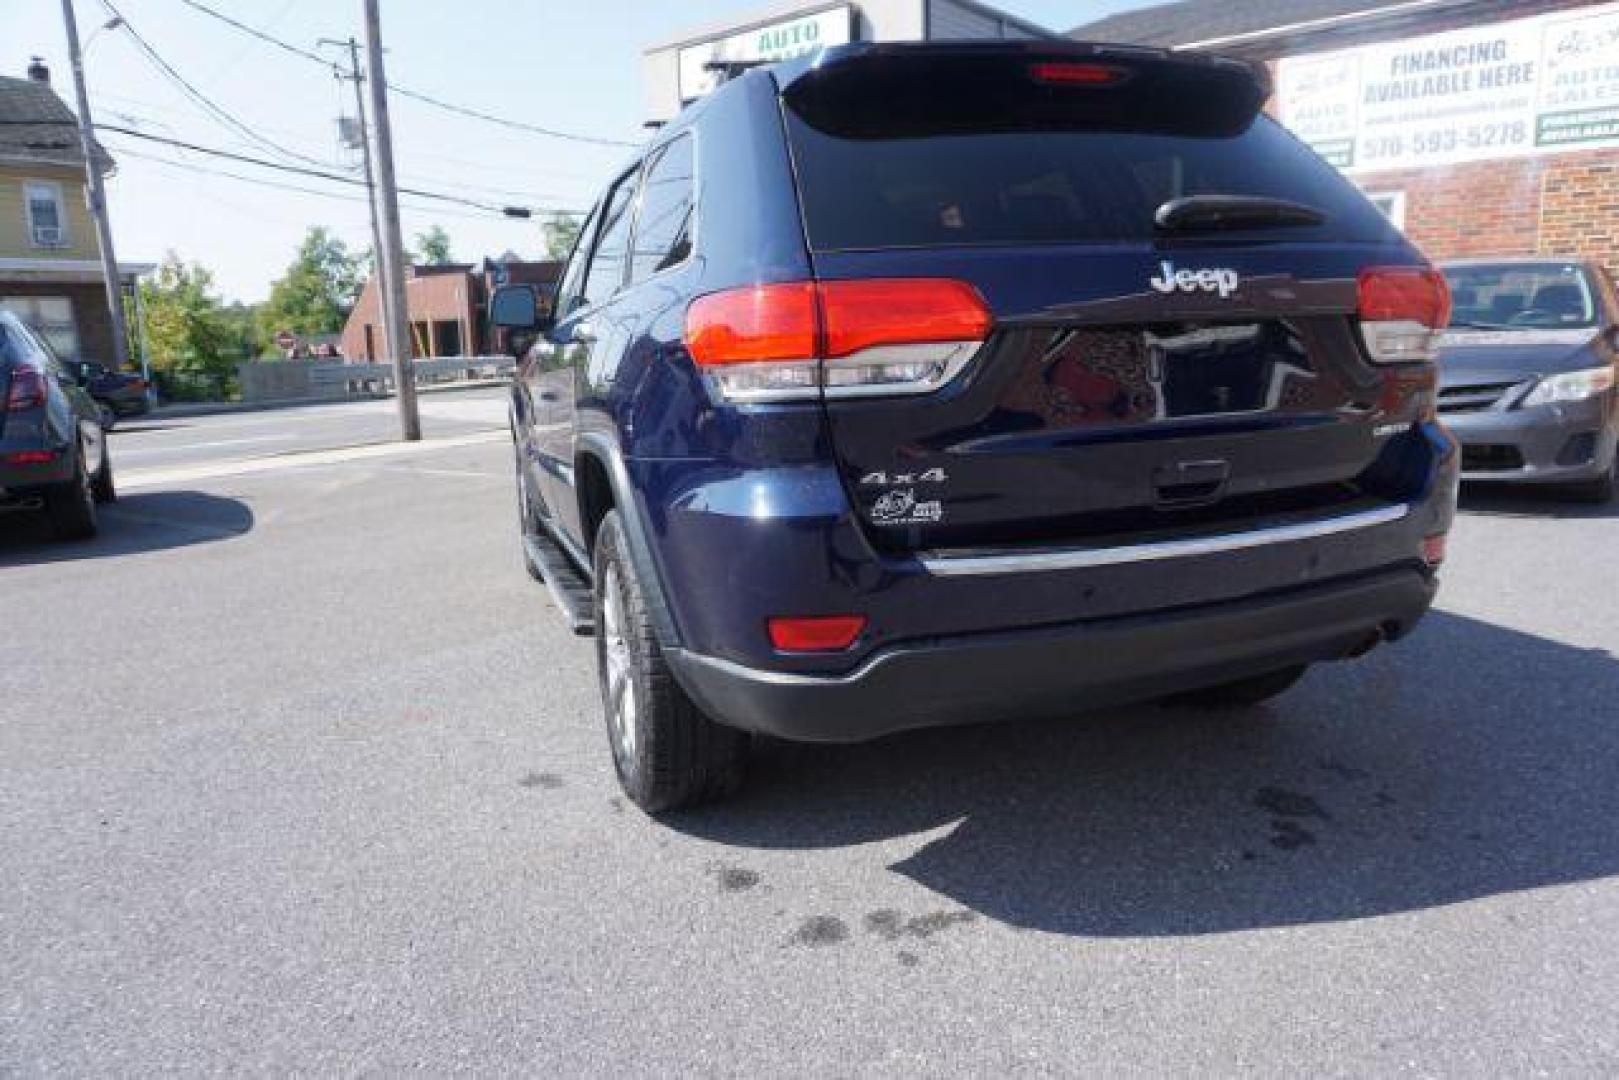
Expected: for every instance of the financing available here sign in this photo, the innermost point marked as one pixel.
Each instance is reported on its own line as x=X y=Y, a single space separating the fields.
x=773 y=41
x=1530 y=86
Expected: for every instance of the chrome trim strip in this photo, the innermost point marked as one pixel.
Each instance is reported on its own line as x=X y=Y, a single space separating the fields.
x=1168 y=549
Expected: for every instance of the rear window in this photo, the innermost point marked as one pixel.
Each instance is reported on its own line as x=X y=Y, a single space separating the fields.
x=1055 y=187
x=1519 y=295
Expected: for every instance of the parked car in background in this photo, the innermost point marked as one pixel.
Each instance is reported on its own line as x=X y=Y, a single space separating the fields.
x=1527 y=372
x=118 y=394
x=53 y=449
x=908 y=385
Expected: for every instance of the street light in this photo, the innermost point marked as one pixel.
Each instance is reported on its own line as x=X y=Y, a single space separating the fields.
x=111 y=24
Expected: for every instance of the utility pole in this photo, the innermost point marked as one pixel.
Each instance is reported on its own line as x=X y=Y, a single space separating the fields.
x=98 y=195
x=363 y=143
x=391 y=254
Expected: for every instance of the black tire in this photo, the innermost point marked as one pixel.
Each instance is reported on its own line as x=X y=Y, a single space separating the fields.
x=672 y=756
x=1242 y=693
x=526 y=525
x=1597 y=491
x=109 y=417
x=102 y=486
x=71 y=507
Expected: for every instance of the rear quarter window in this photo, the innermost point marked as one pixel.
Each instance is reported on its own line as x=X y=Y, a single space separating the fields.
x=1054 y=187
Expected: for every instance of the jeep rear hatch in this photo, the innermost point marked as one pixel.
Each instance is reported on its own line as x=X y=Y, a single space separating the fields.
x=1168 y=284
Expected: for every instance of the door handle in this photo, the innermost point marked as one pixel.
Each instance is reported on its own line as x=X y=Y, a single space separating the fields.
x=584 y=332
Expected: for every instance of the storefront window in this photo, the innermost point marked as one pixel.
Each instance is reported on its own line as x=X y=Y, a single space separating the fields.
x=51 y=317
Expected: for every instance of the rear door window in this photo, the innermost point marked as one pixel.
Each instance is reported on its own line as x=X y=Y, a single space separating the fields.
x=663 y=229
x=606 y=274
x=1054 y=187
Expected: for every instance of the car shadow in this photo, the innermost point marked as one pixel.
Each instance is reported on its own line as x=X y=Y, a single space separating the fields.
x=1468 y=761
x=135 y=524
x=1525 y=500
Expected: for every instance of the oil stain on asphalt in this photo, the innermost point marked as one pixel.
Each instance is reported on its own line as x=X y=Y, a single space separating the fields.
x=733 y=879
x=549 y=781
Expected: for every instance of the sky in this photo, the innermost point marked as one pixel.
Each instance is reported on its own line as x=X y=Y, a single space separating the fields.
x=570 y=65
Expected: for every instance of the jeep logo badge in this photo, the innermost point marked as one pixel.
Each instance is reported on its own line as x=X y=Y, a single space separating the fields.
x=1172 y=280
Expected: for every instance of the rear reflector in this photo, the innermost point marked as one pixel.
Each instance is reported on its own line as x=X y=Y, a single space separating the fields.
x=793 y=340
x=1403 y=312
x=27 y=389
x=819 y=633
x=30 y=457
x=1061 y=74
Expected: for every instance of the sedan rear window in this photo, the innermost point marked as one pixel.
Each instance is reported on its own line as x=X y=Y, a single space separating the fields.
x=1501 y=296
x=1056 y=187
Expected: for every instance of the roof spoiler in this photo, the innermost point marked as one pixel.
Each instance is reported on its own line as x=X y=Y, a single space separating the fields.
x=916 y=90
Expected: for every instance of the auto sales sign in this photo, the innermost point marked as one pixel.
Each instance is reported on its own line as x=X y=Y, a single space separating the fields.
x=1531 y=86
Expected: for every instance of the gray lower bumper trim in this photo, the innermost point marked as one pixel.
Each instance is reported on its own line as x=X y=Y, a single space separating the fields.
x=1080 y=558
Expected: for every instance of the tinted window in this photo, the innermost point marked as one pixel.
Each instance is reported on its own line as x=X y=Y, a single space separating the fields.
x=1052 y=187
x=1521 y=295
x=607 y=264
x=663 y=228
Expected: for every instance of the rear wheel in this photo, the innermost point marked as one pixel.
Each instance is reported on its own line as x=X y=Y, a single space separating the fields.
x=667 y=753
x=71 y=507
x=1242 y=692
x=108 y=417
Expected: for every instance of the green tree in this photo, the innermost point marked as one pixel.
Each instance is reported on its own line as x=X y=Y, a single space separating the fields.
x=186 y=327
x=561 y=231
x=316 y=293
x=433 y=247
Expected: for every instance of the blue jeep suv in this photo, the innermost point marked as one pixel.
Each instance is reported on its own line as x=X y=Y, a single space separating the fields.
x=905 y=385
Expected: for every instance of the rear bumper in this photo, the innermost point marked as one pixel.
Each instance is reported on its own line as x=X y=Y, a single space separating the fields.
x=1058 y=669
x=1547 y=444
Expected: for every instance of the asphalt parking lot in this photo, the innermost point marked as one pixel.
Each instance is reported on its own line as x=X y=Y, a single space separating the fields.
x=299 y=772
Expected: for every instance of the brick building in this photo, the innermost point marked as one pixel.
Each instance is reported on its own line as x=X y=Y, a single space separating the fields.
x=447 y=307
x=1483 y=127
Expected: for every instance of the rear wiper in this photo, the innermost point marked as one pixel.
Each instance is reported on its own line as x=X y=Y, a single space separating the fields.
x=1468 y=324
x=1210 y=213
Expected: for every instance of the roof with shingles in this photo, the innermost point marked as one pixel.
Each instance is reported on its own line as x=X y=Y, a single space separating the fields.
x=37 y=125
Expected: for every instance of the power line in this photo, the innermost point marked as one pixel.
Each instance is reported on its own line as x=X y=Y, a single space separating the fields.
x=319 y=174
x=193 y=167
x=203 y=100
x=416 y=95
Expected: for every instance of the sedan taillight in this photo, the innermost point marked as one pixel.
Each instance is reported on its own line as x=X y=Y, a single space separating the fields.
x=27 y=390
x=796 y=340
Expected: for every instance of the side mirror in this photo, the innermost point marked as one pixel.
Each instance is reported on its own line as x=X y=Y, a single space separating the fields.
x=521 y=313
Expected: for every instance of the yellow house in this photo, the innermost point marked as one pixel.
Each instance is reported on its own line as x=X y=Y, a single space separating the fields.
x=50 y=265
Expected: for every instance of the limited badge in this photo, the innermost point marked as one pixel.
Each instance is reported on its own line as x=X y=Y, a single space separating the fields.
x=901 y=507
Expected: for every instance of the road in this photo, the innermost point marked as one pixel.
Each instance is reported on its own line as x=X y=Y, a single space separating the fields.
x=299 y=772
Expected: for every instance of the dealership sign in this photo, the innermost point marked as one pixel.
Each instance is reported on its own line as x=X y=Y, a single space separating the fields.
x=772 y=41
x=1531 y=86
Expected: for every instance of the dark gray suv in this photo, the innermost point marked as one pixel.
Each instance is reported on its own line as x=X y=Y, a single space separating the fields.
x=53 y=452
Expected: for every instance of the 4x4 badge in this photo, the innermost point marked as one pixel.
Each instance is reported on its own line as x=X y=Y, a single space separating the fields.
x=886 y=479
x=1222 y=281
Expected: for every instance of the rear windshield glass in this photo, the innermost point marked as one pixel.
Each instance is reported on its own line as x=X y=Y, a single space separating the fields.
x=1513 y=295
x=1054 y=187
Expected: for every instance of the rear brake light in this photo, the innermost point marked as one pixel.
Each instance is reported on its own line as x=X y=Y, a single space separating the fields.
x=1070 y=74
x=842 y=338
x=27 y=389
x=1403 y=312
x=819 y=633
x=30 y=457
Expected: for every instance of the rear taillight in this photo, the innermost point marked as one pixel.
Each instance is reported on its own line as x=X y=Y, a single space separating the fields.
x=27 y=389
x=30 y=457
x=1403 y=312
x=796 y=340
